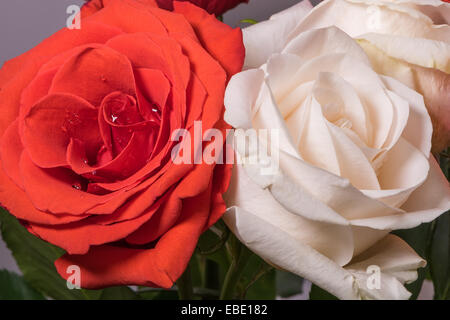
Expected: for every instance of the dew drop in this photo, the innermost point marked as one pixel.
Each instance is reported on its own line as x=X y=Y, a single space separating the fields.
x=113 y=118
x=76 y=186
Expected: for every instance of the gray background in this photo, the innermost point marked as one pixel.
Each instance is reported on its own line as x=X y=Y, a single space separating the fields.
x=25 y=23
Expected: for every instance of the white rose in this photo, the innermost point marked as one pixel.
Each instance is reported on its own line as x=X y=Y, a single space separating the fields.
x=405 y=39
x=354 y=158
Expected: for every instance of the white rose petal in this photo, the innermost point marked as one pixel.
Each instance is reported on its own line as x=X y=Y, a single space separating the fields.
x=267 y=37
x=354 y=143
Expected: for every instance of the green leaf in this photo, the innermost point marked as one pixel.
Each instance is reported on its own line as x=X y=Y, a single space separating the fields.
x=318 y=293
x=118 y=293
x=211 y=261
x=250 y=21
x=35 y=259
x=419 y=239
x=440 y=257
x=258 y=281
x=288 y=284
x=197 y=267
x=14 y=287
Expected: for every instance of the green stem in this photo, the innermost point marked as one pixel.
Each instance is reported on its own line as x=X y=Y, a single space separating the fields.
x=212 y=275
x=240 y=257
x=184 y=284
x=216 y=247
x=264 y=269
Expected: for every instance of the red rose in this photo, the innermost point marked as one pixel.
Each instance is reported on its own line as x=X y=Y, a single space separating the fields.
x=85 y=122
x=217 y=7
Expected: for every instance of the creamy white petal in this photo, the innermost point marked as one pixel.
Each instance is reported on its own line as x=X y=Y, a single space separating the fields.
x=292 y=101
x=398 y=264
x=436 y=10
x=374 y=155
x=352 y=161
x=267 y=116
x=391 y=197
x=316 y=42
x=334 y=191
x=386 y=65
x=297 y=200
x=354 y=145
x=419 y=129
x=365 y=237
x=332 y=240
x=282 y=250
x=280 y=69
x=422 y=52
x=404 y=167
x=362 y=78
x=434 y=194
x=265 y=38
x=357 y=18
x=424 y=205
x=400 y=109
x=313 y=137
x=433 y=84
x=241 y=96
x=340 y=101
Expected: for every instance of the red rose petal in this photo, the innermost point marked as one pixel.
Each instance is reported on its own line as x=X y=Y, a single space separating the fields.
x=136 y=19
x=46 y=130
x=145 y=50
x=18 y=203
x=94 y=73
x=58 y=190
x=36 y=90
x=109 y=266
x=131 y=159
x=170 y=61
x=88 y=233
x=211 y=75
x=196 y=96
x=153 y=90
x=10 y=151
x=221 y=41
x=17 y=73
x=163 y=220
x=153 y=188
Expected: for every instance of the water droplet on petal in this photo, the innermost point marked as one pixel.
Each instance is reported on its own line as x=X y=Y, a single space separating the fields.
x=113 y=118
x=76 y=186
